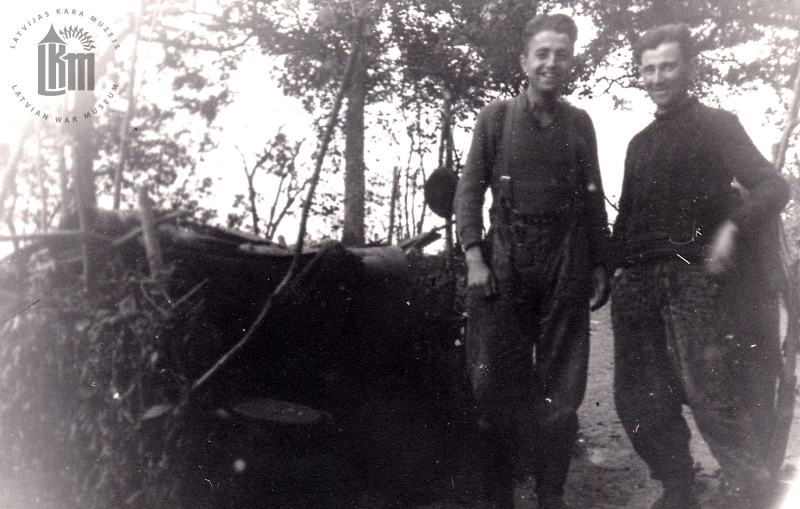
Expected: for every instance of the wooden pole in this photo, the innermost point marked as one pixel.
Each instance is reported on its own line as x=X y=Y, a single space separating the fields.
x=154 y=259
x=787 y=383
x=447 y=123
x=44 y=222
x=791 y=122
x=393 y=202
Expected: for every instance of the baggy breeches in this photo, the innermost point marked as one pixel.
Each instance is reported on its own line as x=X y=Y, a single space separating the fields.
x=527 y=353
x=684 y=337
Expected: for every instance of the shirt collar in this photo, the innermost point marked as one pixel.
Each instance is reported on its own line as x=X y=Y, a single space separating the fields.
x=535 y=109
x=682 y=105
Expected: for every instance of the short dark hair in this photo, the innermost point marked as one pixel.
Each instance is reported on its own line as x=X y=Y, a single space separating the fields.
x=559 y=23
x=657 y=36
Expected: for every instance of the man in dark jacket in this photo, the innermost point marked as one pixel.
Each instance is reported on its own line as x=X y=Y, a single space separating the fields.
x=530 y=279
x=694 y=308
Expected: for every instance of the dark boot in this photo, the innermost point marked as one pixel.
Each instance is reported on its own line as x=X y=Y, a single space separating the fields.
x=678 y=494
x=503 y=497
x=551 y=502
x=496 y=472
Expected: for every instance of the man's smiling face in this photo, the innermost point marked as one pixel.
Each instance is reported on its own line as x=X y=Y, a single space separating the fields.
x=548 y=61
x=666 y=75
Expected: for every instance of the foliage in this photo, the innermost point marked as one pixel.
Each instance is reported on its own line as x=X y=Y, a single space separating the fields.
x=82 y=370
x=727 y=32
x=79 y=371
x=165 y=164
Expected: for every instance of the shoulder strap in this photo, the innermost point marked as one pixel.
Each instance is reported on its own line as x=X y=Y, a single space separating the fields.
x=506 y=134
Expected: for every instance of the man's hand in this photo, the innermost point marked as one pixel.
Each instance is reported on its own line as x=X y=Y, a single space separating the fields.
x=721 y=257
x=479 y=275
x=602 y=290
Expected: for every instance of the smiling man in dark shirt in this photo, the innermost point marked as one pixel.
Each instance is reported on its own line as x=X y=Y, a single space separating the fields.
x=531 y=279
x=694 y=312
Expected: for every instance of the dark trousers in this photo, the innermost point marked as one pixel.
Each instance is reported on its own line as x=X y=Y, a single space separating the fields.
x=684 y=337
x=528 y=353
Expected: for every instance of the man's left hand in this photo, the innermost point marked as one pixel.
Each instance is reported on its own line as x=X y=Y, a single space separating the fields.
x=602 y=290
x=721 y=257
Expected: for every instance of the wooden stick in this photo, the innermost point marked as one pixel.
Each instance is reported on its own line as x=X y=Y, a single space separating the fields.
x=136 y=231
x=787 y=383
x=191 y=292
x=154 y=259
x=70 y=234
x=125 y=238
x=421 y=240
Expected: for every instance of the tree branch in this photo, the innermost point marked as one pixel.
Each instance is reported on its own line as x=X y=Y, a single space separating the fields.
x=173 y=43
x=251 y=190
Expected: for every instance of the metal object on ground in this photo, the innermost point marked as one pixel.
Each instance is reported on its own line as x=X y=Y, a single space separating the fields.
x=283 y=412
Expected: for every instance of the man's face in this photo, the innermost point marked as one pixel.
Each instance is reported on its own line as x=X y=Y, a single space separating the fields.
x=548 y=61
x=666 y=75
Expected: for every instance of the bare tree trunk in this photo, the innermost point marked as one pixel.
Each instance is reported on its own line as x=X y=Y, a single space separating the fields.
x=124 y=130
x=10 y=174
x=446 y=143
x=253 y=205
x=44 y=222
x=86 y=224
x=12 y=228
x=407 y=226
x=421 y=222
x=393 y=202
x=791 y=123
x=84 y=150
x=251 y=190
x=354 y=180
x=63 y=177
